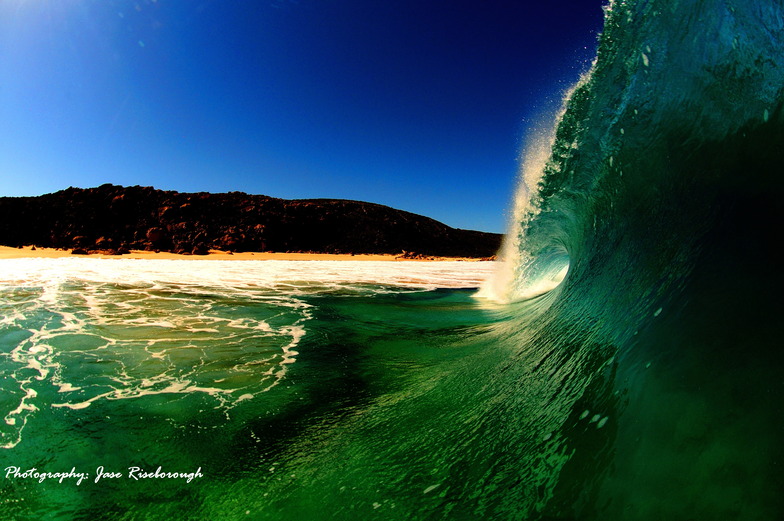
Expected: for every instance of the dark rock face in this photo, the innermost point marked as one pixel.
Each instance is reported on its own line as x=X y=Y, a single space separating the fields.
x=115 y=219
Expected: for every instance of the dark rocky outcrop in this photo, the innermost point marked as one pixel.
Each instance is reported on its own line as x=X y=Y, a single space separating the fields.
x=117 y=219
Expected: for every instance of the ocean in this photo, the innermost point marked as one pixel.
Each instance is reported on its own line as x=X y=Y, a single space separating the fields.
x=623 y=361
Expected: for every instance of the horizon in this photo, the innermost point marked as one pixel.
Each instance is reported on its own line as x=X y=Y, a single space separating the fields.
x=420 y=107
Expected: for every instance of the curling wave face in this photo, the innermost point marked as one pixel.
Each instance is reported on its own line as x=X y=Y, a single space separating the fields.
x=656 y=207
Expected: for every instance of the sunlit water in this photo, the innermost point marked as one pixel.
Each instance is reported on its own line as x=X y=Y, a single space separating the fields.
x=188 y=365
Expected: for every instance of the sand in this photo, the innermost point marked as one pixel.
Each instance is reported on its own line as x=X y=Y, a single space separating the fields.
x=7 y=252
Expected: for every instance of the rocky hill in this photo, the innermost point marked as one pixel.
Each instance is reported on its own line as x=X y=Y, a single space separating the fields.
x=116 y=219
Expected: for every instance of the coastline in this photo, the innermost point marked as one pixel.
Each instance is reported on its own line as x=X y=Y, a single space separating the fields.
x=9 y=252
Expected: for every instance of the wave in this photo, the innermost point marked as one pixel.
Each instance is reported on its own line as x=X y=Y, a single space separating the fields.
x=645 y=248
x=636 y=159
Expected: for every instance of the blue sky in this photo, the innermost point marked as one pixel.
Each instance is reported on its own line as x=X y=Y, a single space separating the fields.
x=420 y=105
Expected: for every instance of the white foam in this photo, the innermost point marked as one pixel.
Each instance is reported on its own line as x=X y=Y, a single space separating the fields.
x=300 y=277
x=150 y=324
x=431 y=488
x=519 y=274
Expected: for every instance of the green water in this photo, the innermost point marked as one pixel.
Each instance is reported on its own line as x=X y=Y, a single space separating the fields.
x=368 y=402
x=385 y=412
x=284 y=399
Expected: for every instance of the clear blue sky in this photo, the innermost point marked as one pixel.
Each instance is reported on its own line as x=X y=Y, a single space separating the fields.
x=420 y=105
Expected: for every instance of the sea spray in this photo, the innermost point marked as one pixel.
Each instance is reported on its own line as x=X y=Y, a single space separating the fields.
x=523 y=273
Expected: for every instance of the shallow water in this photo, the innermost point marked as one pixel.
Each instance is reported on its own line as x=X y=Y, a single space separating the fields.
x=120 y=364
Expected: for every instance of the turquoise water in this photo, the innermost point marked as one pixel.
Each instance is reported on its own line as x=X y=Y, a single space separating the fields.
x=225 y=379
x=623 y=362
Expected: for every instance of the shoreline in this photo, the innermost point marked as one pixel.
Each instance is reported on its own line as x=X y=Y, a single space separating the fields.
x=27 y=252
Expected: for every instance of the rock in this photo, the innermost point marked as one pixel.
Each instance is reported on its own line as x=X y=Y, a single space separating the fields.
x=200 y=249
x=103 y=243
x=155 y=234
x=144 y=218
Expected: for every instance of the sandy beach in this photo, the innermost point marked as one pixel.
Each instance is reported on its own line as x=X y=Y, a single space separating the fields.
x=8 y=252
